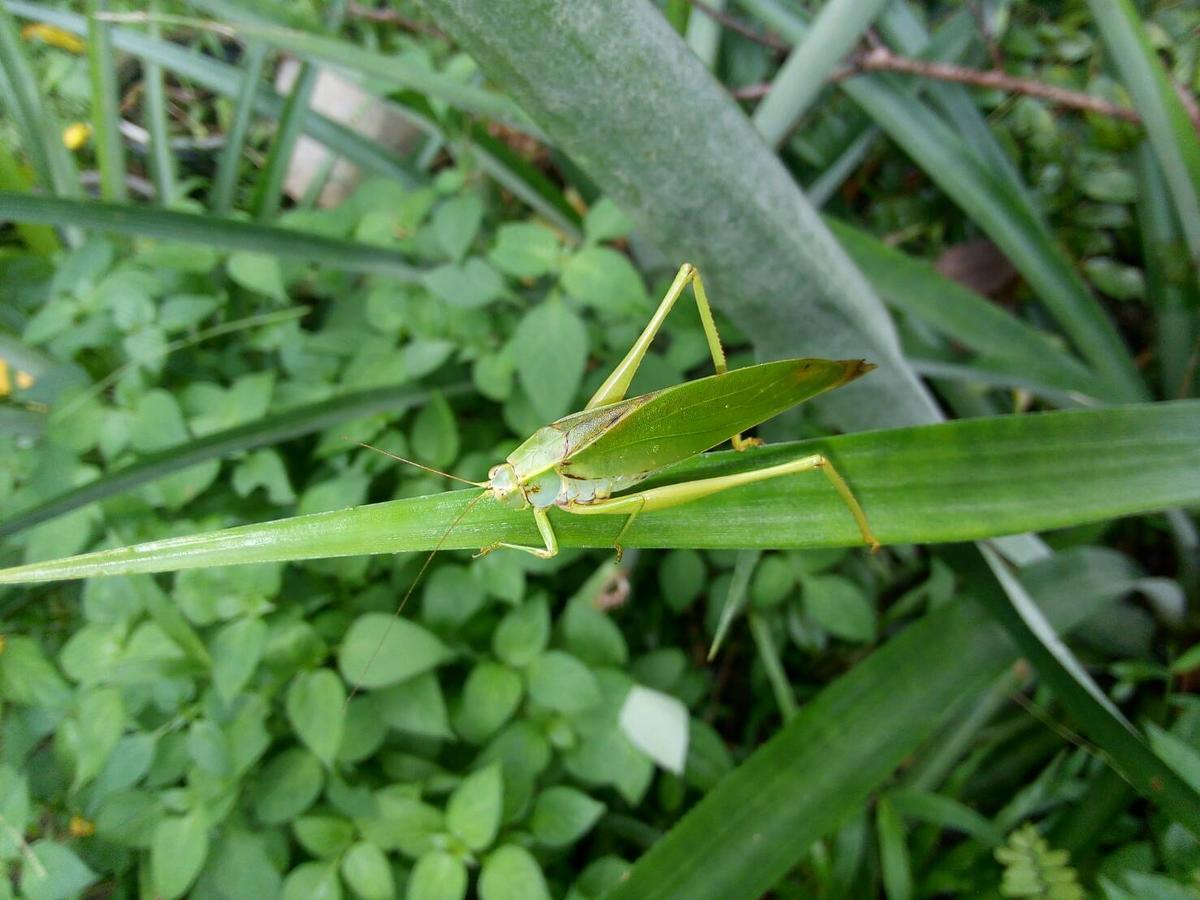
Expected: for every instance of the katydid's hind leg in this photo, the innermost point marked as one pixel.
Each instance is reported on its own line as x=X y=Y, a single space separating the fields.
x=685 y=492
x=544 y=529
x=616 y=386
x=624 y=528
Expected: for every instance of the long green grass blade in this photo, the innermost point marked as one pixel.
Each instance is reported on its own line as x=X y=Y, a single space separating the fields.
x=956 y=481
x=1090 y=710
x=39 y=128
x=162 y=159
x=229 y=165
x=833 y=33
x=106 y=112
x=915 y=288
x=825 y=763
x=274 y=429
x=214 y=232
x=981 y=193
x=268 y=192
x=227 y=81
x=1171 y=132
x=705 y=188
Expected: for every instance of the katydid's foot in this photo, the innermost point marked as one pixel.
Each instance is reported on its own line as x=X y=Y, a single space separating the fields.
x=484 y=551
x=740 y=443
x=620 y=551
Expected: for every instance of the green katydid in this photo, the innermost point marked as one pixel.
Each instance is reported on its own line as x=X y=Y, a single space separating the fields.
x=581 y=461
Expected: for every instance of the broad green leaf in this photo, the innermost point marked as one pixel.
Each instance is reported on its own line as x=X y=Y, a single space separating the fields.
x=177 y=853
x=657 y=724
x=14 y=807
x=380 y=649
x=258 y=272
x=603 y=278
x=322 y=835
x=523 y=633
x=593 y=637
x=525 y=249
x=403 y=823
x=955 y=481
x=551 y=347
x=57 y=875
x=561 y=682
x=435 y=433
x=92 y=733
x=316 y=707
x=438 y=876
x=313 y=881
x=468 y=286
x=415 y=706
x=511 y=873
x=236 y=651
x=562 y=815
x=287 y=786
x=490 y=696
x=456 y=222
x=473 y=811
x=366 y=870
x=681 y=578
x=606 y=221
x=840 y=607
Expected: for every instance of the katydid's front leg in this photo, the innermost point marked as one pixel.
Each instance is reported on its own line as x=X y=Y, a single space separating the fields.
x=616 y=385
x=632 y=505
x=544 y=529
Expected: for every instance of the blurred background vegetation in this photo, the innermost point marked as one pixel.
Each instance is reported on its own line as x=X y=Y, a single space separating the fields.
x=241 y=235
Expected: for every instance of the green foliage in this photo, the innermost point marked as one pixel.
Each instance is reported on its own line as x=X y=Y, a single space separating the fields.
x=529 y=729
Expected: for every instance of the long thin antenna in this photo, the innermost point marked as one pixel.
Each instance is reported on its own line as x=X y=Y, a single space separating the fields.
x=420 y=574
x=418 y=465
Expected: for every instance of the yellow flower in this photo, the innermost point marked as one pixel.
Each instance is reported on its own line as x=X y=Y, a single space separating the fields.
x=10 y=377
x=81 y=827
x=55 y=37
x=75 y=136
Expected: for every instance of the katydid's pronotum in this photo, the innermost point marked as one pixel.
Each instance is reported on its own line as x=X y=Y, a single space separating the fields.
x=579 y=462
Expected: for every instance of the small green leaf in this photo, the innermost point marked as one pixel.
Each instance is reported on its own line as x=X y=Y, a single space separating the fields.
x=92 y=733
x=681 y=578
x=525 y=249
x=893 y=852
x=435 y=433
x=774 y=578
x=258 y=272
x=551 y=349
x=451 y=597
x=840 y=607
x=401 y=822
x=313 y=881
x=562 y=815
x=415 y=706
x=437 y=876
x=473 y=811
x=380 y=649
x=316 y=707
x=366 y=870
x=14 y=807
x=1115 y=279
x=606 y=221
x=237 y=650
x=605 y=279
x=592 y=636
x=323 y=836
x=561 y=682
x=511 y=873
x=468 y=285
x=657 y=724
x=456 y=222
x=489 y=698
x=177 y=852
x=287 y=786
x=522 y=633
x=209 y=748
x=58 y=875
x=609 y=758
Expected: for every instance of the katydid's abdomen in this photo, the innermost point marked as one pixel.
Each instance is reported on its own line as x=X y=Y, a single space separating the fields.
x=667 y=426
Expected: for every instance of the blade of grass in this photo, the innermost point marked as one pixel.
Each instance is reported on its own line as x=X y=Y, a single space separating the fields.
x=1024 y=237
x=768 y=656
x=976 y=373
x=703 y=35
x=40 y=132
x=162 y=159
x=1090 y=709
x=1171 y=133
x=847 y=741
x=833 y=33
x=40 y=239
x=229 y=165
x=268 y=191
x=705 y=189
x=106 y=113
x=915 y=288
x=214 y=232
x=227 y=80
x=735 y=600
x=955 y=481
x=1169 y=285
x=827 y=183
x=271 y=430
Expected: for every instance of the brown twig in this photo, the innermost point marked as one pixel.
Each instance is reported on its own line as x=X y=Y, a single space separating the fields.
x=989 y=39
x=883 y=60
x=740 y=27
x=391 y=17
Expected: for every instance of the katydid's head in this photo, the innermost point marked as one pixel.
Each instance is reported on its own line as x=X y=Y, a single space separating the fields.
x=504 y=485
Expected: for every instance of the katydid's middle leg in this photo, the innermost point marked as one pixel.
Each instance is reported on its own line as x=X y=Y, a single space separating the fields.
x=685 y=492
x=616 y=386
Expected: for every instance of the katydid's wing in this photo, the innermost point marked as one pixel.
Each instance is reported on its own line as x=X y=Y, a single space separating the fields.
x=672 y=424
